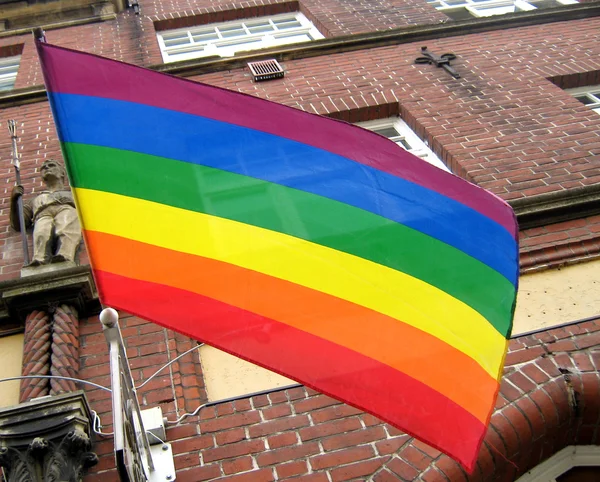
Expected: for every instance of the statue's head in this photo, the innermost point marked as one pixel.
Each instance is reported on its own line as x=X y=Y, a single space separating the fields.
x=52 y=169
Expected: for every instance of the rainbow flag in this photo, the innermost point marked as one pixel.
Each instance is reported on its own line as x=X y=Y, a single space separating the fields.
x=311 y=247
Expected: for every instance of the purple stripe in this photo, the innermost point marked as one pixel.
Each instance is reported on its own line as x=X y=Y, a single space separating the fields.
x=96 y=76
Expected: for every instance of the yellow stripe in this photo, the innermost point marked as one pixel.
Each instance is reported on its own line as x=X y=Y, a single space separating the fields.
x=333 y=272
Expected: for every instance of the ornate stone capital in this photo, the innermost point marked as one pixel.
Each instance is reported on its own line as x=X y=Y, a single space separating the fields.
x=47 y=440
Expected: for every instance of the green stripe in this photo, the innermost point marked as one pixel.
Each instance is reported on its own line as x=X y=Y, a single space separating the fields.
x=297 y=213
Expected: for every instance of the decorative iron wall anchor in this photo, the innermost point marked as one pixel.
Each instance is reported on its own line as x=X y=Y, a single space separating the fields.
x=442 y=61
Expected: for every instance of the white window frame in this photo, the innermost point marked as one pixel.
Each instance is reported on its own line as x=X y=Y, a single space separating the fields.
x=228 y=46
x=479 y=8
x=406 y=134
x=592 y=92
x=561 y=462
x=9 y=67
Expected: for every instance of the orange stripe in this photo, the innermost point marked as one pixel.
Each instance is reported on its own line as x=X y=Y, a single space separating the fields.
x=396 y=344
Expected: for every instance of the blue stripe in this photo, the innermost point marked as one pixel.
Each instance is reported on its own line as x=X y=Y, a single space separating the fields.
x=189 y=138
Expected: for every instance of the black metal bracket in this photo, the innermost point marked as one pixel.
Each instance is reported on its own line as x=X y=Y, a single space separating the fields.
x=442 y=61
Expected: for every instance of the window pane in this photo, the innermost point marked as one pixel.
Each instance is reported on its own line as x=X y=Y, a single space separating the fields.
x=487 y=12
x=207 y=37
x=288 y=24
x=386 y=131
x=459 y=14
x=584 y=99
x=546 y=3
x=177 y=41
x=261 y=27
x=234 y=31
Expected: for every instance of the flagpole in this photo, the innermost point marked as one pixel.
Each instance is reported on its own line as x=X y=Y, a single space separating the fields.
x=12 y=128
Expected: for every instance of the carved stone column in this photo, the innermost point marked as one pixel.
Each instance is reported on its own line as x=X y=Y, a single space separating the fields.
x=36 y=355
x=65 y=349
x=47 y=440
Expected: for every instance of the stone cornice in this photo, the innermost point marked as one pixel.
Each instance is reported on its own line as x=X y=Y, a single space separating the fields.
x=72 y=286
x=558 y=206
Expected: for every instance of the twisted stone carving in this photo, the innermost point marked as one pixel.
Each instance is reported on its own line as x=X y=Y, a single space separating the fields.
x=51 y=348
x=65 y=349
x=36 y=355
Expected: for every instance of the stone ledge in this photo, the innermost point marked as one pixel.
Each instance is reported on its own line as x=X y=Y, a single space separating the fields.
x=50 y=417
x=72 y=286
x=558 y=206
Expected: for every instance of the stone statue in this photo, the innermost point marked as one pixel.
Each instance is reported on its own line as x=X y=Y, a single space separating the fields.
x=56 y=229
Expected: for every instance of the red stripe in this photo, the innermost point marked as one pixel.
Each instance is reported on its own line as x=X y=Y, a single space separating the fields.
x=100 y=77
x=327 y=367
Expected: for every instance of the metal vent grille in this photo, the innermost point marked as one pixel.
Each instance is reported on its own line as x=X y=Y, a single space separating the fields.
x=266 y=70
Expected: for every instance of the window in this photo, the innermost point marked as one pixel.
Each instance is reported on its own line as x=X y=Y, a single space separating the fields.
x=589 y=96
x=8 y=72
x=398 y=131
x=225 y=39
x=465 y=9
x=573 y=463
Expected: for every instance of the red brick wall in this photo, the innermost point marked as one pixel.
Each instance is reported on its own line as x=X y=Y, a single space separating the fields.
x=502 y=125
x=552 y=245
x=548 y=400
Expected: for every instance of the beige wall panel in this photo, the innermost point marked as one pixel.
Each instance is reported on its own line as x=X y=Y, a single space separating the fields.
x=557 y=296
x=11 y=358
x=228 y=376
x=545 y=299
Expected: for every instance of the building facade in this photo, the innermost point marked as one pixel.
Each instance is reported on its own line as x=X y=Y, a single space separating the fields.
x=520 y=118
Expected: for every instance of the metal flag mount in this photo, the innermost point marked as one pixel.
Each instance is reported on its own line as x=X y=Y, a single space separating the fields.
x=12 y=128
x=442 y=61
x=138 y=459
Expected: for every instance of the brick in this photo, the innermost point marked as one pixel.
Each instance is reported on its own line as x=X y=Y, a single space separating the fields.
x=423 y=447
x=359 y=469
x=292 y=469
x=230 y=436
x=184 y=461
x=521 y=382
x=340 y=457
x=230 y=421
x=354 y=438
x=589 y=340
x=279 y=425
x=260 y=475
x=317 y=477
x=330 y=428
x=562 y=345
x=509 y=391
x=533 y=372
x=277 y=411
x=334 y=412
x=391 y=445
x=198 y=442
x=314 y=403
x=534 y=416
x=521 y=356
x=287 y=454
x=198 y=474
x=590 y=398
x=548 y=366
x=507 y=433
x=282 y=440
x=242 y=464
x=402 y=469
x=233 y=450
x=385 y=476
